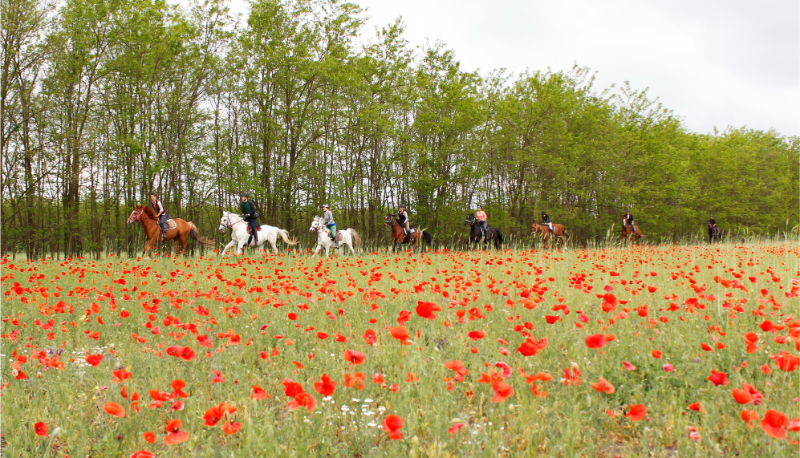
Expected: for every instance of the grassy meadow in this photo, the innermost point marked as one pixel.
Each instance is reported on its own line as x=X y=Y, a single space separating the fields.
x=641 y=351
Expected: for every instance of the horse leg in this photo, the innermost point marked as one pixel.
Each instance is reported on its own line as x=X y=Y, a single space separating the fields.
x=240 y=248
x=274 y=247
x=227 y=247
x=183 y=244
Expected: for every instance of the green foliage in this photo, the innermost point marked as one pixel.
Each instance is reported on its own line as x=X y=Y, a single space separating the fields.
x=109 y=100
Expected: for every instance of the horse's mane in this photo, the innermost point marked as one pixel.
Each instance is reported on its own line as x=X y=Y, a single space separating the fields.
x=149 y=212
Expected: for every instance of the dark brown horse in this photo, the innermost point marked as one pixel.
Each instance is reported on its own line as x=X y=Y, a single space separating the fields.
x=399 y=236
x=629 y=231
x=559 y=233
x=146 y=216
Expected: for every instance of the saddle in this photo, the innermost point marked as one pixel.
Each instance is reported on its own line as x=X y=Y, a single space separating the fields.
x=171 y=224
x=338 y=236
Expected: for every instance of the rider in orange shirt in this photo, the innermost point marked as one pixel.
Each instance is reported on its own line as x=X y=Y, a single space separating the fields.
x=481 y=216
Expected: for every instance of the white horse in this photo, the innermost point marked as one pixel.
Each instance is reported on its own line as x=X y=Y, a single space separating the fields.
x=239 y=234
x=347 y=237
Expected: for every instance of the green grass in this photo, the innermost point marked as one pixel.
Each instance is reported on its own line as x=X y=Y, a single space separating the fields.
x=569 y=421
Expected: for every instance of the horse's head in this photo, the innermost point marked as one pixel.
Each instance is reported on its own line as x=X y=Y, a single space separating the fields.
x=315 y=225
x=136 y=214
x=470 y=220
x=224 y=222
x=389 y=220
x=534 y=227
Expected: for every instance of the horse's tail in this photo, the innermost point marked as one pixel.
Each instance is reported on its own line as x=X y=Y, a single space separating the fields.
x=285 y=237
x=195 y=234
x=356 y=238
x=428 y=237
x=500 y=236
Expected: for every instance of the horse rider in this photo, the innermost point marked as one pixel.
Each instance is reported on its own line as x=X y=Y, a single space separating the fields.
x=249 y=213
x=330 y=223
x=712 y=223
x=161 y=214
x=546 y=221
x=481 y=216
x=402 y=216
x=628 y=219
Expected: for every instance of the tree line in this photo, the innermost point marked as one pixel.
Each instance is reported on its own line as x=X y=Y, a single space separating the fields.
x=303 y=103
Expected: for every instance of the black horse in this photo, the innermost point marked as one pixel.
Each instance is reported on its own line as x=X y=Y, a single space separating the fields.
x=475 y=233
x=714 y=232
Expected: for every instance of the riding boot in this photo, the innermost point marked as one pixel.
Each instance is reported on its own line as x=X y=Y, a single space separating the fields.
x=249 y=239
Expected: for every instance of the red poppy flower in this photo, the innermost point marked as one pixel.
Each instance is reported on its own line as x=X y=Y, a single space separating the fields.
x=291 y=388
x=426 y=309
x=775 y=423
x=502 y=391
x=604 y=386
x=453 y=429
x=322 y=335
x=392 y=425
x=696 y=407
x=742 y=396
x=326 y=386
x=476 y=335
x=174 y=433
x=303 y=400
x=354 y=357
x=540 y=376
x=750 y=416
x=458 y=367
x=530 y=347
x=142 y=454
x=718 y=378
x=231 y=427
x=628 y=366
x=94 y=360
x=657 y=354
x=706 y=347
x=596 y=341
x=551 y=319
x=377 y=379
x=187 y=354
x=40 y=429
x=786 y=362
x=150 y=437
x=217 y=413
x=637 y=412
x=400 y=333
x=259 y=393
x=112 y=408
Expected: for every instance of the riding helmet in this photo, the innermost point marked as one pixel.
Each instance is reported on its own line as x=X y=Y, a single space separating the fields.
x=401 y=206
x=480 y=206
x=325 y=206
x=244 y=194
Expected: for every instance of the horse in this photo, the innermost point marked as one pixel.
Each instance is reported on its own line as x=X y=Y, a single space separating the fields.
x=178 y=229
x=347 y=237
x=399 y=235
x=629 y=230
x=559 y=233
x=239 y=234
x=475 y=234
x=714 y=232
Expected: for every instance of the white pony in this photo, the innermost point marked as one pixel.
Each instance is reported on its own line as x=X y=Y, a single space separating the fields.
x=347 y=237
x=239 y=234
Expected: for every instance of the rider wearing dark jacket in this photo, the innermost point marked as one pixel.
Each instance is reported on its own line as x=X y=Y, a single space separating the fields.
x=546 y=221
x=249 y=212
x=628 y=218
x=712 y=222
x=402 y=216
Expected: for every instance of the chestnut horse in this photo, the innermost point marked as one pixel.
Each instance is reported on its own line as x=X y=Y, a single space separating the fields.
x=399 y=235
x=628 y=232
x=146 y=216
x=559 y=233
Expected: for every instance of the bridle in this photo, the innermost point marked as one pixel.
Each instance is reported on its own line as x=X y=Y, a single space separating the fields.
x=137 y=217
x=228 y=222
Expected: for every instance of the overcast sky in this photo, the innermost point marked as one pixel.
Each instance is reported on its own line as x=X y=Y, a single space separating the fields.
x=714 y=63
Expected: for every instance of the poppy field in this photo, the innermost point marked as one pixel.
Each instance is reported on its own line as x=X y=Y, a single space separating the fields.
x=646 y=351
